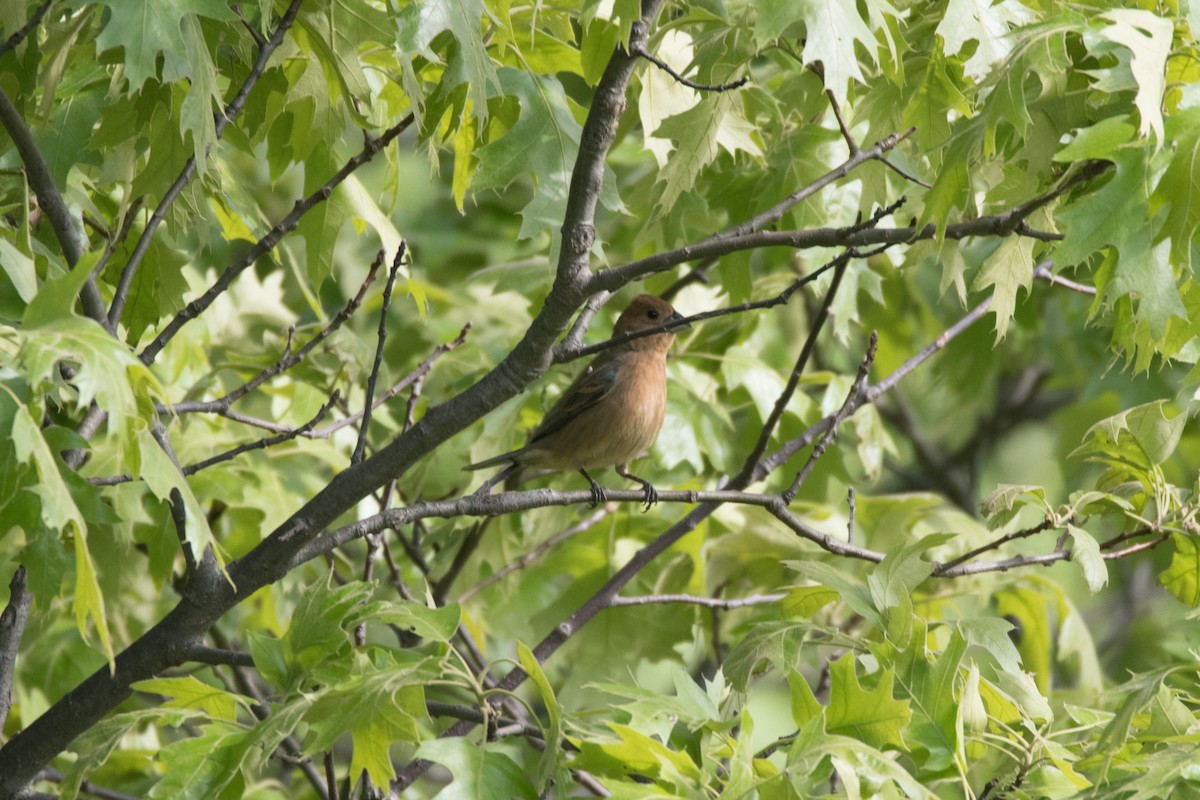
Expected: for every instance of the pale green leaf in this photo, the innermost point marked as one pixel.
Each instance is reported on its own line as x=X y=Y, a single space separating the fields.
x=1006 y=271
x=1086 y=553
x=189 y=693
x=1149 y=38
x=479 y=773
x=989 y=25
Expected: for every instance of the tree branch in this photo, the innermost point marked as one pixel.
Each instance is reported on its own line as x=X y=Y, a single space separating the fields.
x=210 y=593
x=689 y=599
x=1006 y=223
x=640 y=50
x=221 y=121
x=267 y=243
x=381 y=338
x=12 y=628
x=70 y=237
x=23 y=32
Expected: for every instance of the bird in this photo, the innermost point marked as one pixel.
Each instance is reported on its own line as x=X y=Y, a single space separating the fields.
x=612 y=412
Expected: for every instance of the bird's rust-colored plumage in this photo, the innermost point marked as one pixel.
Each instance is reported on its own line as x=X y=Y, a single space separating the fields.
x=613 y=411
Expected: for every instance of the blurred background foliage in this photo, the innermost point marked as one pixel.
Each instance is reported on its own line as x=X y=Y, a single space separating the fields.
x=1077 y=679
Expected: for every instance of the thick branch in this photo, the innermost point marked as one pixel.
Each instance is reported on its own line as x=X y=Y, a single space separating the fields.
x=210 y=594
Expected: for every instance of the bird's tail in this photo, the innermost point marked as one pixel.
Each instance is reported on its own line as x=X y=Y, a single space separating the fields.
x=503 y=458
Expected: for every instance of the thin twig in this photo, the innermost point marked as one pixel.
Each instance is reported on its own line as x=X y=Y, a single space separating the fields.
x=574 y=339
x=536 y=553
x=872 y=393
x=381 y=338
x=267 y=243
x=85 y=787
x=856 y=388
x=411 y=379
x=640 y=50
x=1005 y=223
x=785 y=397
x=23 y=32
x=690 y=599
x=179 y=518
x=837 y=114
x=220 y=121
x=850 y=503
x=562 y=354
x=286 y=361
x=1024 y=533
x=287 y=434
x=1043 y=272
x=822 y=540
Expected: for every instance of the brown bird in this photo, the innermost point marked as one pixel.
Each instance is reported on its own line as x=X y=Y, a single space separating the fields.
x=613 y=411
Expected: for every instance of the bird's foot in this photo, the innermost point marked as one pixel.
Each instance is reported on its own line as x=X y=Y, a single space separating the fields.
x=598 y=494
x=649 y=494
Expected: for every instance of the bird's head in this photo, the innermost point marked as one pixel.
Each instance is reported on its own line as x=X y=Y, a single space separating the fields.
x=644 y=312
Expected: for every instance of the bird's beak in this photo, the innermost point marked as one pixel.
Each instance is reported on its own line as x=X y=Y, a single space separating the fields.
x=676 y=317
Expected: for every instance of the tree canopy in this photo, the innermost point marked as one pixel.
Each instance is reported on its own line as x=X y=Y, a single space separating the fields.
x=272 y=274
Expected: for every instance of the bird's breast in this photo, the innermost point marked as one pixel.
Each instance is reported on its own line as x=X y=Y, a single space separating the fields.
x=622 y=426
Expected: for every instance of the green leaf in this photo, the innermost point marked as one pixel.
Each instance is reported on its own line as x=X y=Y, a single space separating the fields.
x=376 y=708
x=336 y=33
x=873 y=716
x=931 y=687
x=853 y=593
x=1179 y=187
x=437 y=624
x=543 y=144
x=805 y=601
x=804 y=703
x=217 y=764
x=89 y=600
x=1008 y=270
x=1118 y=215
x=1143 y=435
x=1085 y=552
x=1182 y=577
x=95 y=746
x=61 y=514
x=1098 y=141
x=1006 y=501
x=715 y=122
x=479 y=773
x=833 y=31
x=776 y=643
x=552 y=732
x=145 y=30
x=189 y=693
x=418 y=24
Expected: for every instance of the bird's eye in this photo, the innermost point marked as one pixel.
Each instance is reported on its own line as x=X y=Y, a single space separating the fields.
x=652 y=313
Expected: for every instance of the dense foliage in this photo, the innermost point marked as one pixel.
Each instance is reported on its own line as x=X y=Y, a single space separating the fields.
x=271 y=274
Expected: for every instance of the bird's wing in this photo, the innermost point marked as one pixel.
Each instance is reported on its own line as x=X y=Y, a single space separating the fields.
x=592 y=386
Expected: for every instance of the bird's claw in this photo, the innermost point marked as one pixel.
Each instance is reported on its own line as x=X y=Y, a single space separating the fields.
x=598 y=494
x=649 y=495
